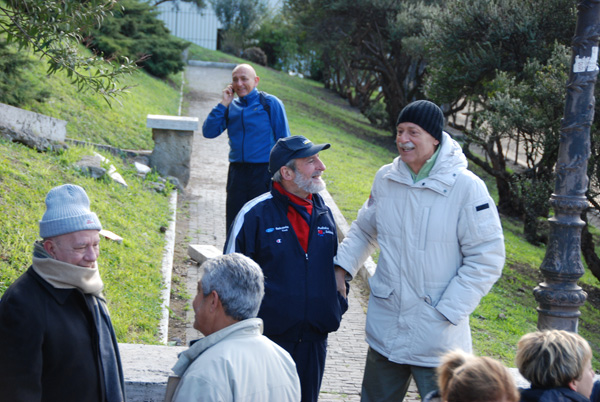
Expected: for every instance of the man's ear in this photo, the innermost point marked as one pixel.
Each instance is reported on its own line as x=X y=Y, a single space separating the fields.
x=256 y=80
x=49 y=247
x=286 y=173
x=215 y=301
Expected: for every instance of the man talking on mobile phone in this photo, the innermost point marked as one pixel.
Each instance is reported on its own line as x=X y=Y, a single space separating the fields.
x=254 y=122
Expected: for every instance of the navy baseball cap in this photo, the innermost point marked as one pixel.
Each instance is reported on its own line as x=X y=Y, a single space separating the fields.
x=293 y=147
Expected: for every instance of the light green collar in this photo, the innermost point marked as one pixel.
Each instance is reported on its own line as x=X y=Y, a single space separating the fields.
x=426 y=168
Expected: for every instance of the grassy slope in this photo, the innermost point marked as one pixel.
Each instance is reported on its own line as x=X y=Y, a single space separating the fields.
x=508 y=311
x=121 y=124
x=131 y=270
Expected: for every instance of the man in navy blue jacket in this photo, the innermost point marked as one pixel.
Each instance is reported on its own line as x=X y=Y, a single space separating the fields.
x=291 y=234
x=254 y=122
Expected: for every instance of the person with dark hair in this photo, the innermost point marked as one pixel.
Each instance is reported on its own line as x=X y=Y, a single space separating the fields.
x=290 y=232
x=557 y=364
x=254 y=121
x=57 y=342
x=234 y=362
x=463 y=377
x=442 y=249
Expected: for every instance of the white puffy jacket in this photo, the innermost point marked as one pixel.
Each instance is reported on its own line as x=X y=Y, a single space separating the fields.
x=238 y=364
x=442 y=249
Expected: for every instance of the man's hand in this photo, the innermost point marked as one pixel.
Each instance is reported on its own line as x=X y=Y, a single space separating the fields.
x=340 y=279
x=227 y=95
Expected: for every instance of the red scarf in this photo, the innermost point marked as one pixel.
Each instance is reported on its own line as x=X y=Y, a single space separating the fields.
x=298 y=213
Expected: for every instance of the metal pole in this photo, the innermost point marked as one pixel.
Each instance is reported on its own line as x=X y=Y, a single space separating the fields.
x=559 y=297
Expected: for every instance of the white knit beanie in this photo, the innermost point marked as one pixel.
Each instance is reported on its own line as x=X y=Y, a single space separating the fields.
x=67 y=211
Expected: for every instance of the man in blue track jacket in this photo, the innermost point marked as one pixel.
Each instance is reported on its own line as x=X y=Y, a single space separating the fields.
x=291 y=234
x=254 y=122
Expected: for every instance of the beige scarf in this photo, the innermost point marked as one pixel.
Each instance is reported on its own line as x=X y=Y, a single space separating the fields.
x=62 y=275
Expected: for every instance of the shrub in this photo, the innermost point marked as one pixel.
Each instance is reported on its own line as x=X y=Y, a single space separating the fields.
x=255 y=55
x=134 y=31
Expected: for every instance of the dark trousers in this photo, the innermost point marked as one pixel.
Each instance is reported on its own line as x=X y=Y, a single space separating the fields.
x=245 y=181
x=309 y=357
x=385 y=381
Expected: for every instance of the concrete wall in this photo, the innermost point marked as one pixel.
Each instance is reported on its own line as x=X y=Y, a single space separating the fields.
x=146 y=369
x=34 y=123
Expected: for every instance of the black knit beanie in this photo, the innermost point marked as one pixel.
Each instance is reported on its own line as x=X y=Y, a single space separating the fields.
x=426 y=115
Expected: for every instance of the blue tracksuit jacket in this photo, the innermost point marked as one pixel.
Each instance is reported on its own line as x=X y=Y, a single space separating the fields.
x=301 y=300
x=251 y=133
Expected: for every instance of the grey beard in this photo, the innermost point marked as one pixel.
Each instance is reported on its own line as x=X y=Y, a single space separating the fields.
x=308 y=185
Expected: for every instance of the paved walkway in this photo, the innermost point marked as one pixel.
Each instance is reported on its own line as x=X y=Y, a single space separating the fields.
x=206 y=195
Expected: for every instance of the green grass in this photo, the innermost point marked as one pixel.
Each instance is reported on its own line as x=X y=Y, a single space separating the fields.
x=131 y=271
x=90 y=118
x=509 y=310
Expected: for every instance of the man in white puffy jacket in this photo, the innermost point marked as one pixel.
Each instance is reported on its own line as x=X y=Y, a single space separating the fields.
x=234 y=362
x=442 y=249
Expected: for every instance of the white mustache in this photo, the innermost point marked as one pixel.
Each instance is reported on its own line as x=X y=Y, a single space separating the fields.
x=408 y=146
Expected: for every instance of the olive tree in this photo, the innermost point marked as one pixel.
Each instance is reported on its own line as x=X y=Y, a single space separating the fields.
x=525 y=111
x=370 y=51
x=55 y=30
x=507 y=60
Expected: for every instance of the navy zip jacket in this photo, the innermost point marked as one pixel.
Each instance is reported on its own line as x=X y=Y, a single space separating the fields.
x=252 y=133
x=559 y=394
x=301 y=299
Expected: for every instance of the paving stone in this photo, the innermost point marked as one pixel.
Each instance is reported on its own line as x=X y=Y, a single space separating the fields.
x=203 y=252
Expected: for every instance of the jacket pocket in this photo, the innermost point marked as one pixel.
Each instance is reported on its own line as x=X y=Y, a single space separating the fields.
x=435 y=314
x=380 y=289
x=382 y=300
x=382 y=319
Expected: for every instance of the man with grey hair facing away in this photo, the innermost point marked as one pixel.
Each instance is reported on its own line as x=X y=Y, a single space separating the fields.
x=57 y=342
x=234 y=362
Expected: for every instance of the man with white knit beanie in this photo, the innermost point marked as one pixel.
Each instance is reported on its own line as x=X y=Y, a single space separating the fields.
x=56 y=338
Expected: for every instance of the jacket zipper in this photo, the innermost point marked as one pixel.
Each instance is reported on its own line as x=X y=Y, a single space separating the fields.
x=243 y=127
x=313 y=222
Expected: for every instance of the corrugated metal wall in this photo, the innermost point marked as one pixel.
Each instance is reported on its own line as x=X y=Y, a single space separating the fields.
x=186 y=21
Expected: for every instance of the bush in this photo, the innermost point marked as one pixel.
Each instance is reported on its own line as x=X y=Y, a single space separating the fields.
x=134 y=31
x=232 y=42
x=377 y=115
x=255 y=55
